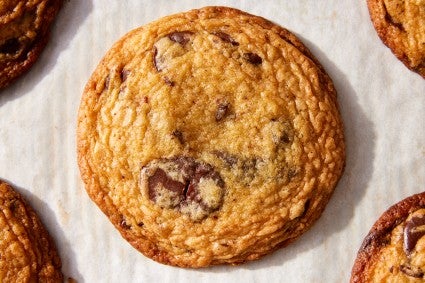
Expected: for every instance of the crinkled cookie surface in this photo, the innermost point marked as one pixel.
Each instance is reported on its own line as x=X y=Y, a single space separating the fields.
x=210 y=137
x=27 y=253
x=394 y=249
x=24 y=31
x=401 y=26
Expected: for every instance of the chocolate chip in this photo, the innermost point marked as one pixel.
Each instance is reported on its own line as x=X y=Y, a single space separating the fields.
x=190 y=186
x=157 y=60
x=411 y=271
x=140 y=224
x=226 y=38
x=161 y=178
x=413 y=231
x=181 y=37
x=124 y=224
x=10 y=46
x=222 y=111
x=179 y=135
x=252 y=58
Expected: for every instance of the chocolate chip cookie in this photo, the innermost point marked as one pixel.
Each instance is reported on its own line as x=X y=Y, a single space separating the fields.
x=394 y=249
x=27 y=253
x=210 y=137
x=24 y=31
x=401 y=26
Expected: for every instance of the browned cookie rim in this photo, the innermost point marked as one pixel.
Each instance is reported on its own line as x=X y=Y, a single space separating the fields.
x=11 y=70
x=383 y=24
x=375 y=239
x=47 y=254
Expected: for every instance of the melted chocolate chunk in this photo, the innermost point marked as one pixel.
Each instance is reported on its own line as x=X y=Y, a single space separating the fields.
x=413 y=231
x=181 y=37
x=157 y=60
x=252 y=58
x=10 y=46
x=222 y=111
x=160 y=177
x=411 y=271
x=226 y=38
x=194 y=187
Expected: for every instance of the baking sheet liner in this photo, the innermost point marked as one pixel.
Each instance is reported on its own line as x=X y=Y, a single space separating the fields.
x=382 y=105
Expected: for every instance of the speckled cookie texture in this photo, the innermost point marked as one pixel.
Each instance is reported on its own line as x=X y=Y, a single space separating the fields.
x=24 y=31
x=401 y=26
x=394 y=249
x=210 y=137
x=27 y=253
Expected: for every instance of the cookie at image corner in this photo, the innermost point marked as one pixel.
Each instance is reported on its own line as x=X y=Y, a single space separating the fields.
x=210 y=137
x=27 y=252
x=401 y=26
x=394 y=249
x=24 y=32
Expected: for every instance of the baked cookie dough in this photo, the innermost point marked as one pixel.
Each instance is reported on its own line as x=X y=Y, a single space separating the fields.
x=394 y=249
x=24 y=31
x=27 y=253
x=210 y=137
x=401 y=26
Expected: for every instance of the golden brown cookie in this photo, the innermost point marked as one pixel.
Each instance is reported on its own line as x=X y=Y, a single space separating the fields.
x=401 y=26
x=210 y=137
x=394 y=249
x=27 y=253
x=24 y=31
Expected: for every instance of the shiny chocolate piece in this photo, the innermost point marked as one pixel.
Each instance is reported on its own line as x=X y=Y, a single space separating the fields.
x=226 y=38
x=252 y=58
x=181 y=37
x=413 y=231
x=193 y=187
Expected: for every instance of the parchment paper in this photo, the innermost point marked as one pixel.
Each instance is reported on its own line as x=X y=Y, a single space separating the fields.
x=381 y=101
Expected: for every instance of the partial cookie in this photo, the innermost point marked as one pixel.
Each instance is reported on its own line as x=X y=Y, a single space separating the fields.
x=27 y=253
x=24 y=31
x=210 y=137
x=401 y=26
x=394 y=249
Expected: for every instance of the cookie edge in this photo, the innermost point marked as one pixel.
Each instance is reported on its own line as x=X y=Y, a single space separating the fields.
x=377 y=13
x=22 y=65
x=373 y=242
x=49 y=252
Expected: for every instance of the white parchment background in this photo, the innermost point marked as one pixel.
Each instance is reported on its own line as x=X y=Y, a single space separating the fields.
x=382 y=104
